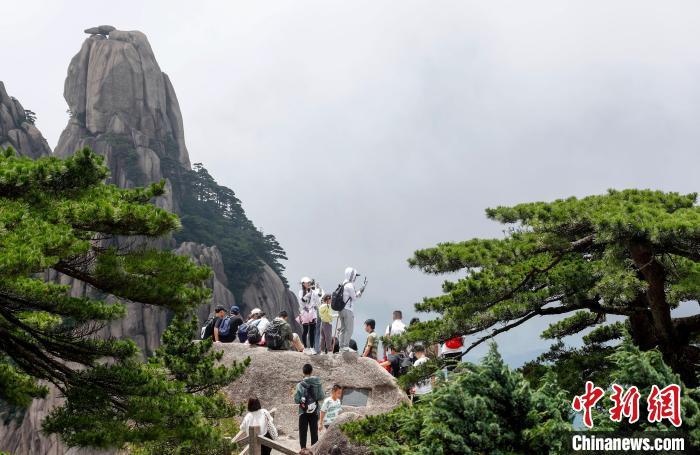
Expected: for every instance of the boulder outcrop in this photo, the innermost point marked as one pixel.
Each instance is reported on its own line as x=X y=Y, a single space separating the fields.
x=17 y=128
x=272 y=377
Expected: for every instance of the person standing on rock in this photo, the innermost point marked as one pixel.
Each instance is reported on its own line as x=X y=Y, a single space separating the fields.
x=309 y=301
x=325 y=314
x=397 y=327
x=346 y=318
x=307 y=395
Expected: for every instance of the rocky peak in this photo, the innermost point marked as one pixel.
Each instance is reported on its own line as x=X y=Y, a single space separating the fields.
x=124 y=107
x=17 y=128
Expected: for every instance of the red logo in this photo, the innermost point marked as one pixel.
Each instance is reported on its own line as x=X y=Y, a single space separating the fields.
x=662 y=404
x=586 y=401
x=626 y=404
x=665 y=404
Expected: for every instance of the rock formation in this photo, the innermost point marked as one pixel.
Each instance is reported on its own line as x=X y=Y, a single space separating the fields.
x=124 y=108
x=272 y=377
x=334 y=439
x=211 y=257
x=17 y=128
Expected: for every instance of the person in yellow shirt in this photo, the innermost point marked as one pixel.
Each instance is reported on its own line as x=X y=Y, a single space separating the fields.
x=326 y=314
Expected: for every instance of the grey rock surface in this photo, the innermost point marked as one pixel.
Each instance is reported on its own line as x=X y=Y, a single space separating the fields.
x=333 y=437
x=100 y=29
x=267 y=292
x=17 y=131
x=211 y=257
x=272 y=377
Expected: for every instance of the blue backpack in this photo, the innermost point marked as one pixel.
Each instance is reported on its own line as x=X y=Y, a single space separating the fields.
x=225 y=327
x=243 y=332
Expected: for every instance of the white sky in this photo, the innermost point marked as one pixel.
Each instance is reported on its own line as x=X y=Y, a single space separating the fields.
x=357 y=132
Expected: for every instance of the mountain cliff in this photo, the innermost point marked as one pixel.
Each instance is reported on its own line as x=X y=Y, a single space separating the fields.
x=17 y=128
x=125 y=108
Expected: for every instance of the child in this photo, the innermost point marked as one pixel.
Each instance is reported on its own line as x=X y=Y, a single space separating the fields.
x=326 y=314
x=330 y=408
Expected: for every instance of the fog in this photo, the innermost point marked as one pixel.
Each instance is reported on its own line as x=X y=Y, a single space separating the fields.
x=357 y=132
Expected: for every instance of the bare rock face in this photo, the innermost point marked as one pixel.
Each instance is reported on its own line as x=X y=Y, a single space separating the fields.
x=17 y=129
x=333 y=440
x=211 y=257
x=125 y=108
x=267 y=292
x=272 y=377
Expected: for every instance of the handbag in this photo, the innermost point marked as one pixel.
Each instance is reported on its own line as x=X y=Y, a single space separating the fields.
x=271 y=429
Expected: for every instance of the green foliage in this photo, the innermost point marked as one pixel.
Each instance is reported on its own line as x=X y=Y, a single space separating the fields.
x=485 y=408
x=213 y=215
x=632 y=253
x=645 y=369
x=59 y=215
x=175 y=398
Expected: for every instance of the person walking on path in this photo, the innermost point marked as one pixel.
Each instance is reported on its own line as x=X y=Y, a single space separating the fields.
x=260 y=417
x=330 y=408
x=346 y=318
x=307 y=395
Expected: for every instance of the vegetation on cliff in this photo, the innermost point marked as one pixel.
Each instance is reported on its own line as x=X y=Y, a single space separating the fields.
x=58 y=214
x=211 y=214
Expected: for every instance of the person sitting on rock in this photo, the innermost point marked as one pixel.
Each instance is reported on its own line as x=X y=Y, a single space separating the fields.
x=257 y=327
x=279 y=335
x=222 y=328
x=260 y=417
x=307 y=395
x=236 y=320
x=330 y=408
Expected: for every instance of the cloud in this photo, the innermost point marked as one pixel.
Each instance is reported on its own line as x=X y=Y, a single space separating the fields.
x=357 y=132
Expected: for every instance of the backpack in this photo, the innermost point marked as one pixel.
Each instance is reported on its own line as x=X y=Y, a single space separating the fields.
x=337 y=301
x=308 y=399
x=243 y=332
x=225 y=326
x=273 y=335
x=207 y=329
x=454 y=343
x=400 y=365
x=254 y=335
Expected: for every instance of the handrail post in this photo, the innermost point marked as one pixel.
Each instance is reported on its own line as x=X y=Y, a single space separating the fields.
x=253 y=441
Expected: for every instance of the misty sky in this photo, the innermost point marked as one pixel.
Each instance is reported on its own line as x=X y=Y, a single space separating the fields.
x=359 y=131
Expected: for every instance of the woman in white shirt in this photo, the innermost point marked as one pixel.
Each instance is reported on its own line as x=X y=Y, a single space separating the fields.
x=309 y=302
x=259 y=417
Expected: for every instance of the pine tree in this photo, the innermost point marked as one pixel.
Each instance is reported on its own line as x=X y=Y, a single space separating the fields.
x=485 y=408
x=59 y=215
x=632 y=253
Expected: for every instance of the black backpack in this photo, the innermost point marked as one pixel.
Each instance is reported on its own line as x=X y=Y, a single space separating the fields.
x=243 y=332
x=308 y=398
x=207 y=329
x=273 y=335
x=254 y=335
x=337 y=301
x=400 y=365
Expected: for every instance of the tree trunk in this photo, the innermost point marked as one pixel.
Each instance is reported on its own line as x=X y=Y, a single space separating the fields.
x=664 y=331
